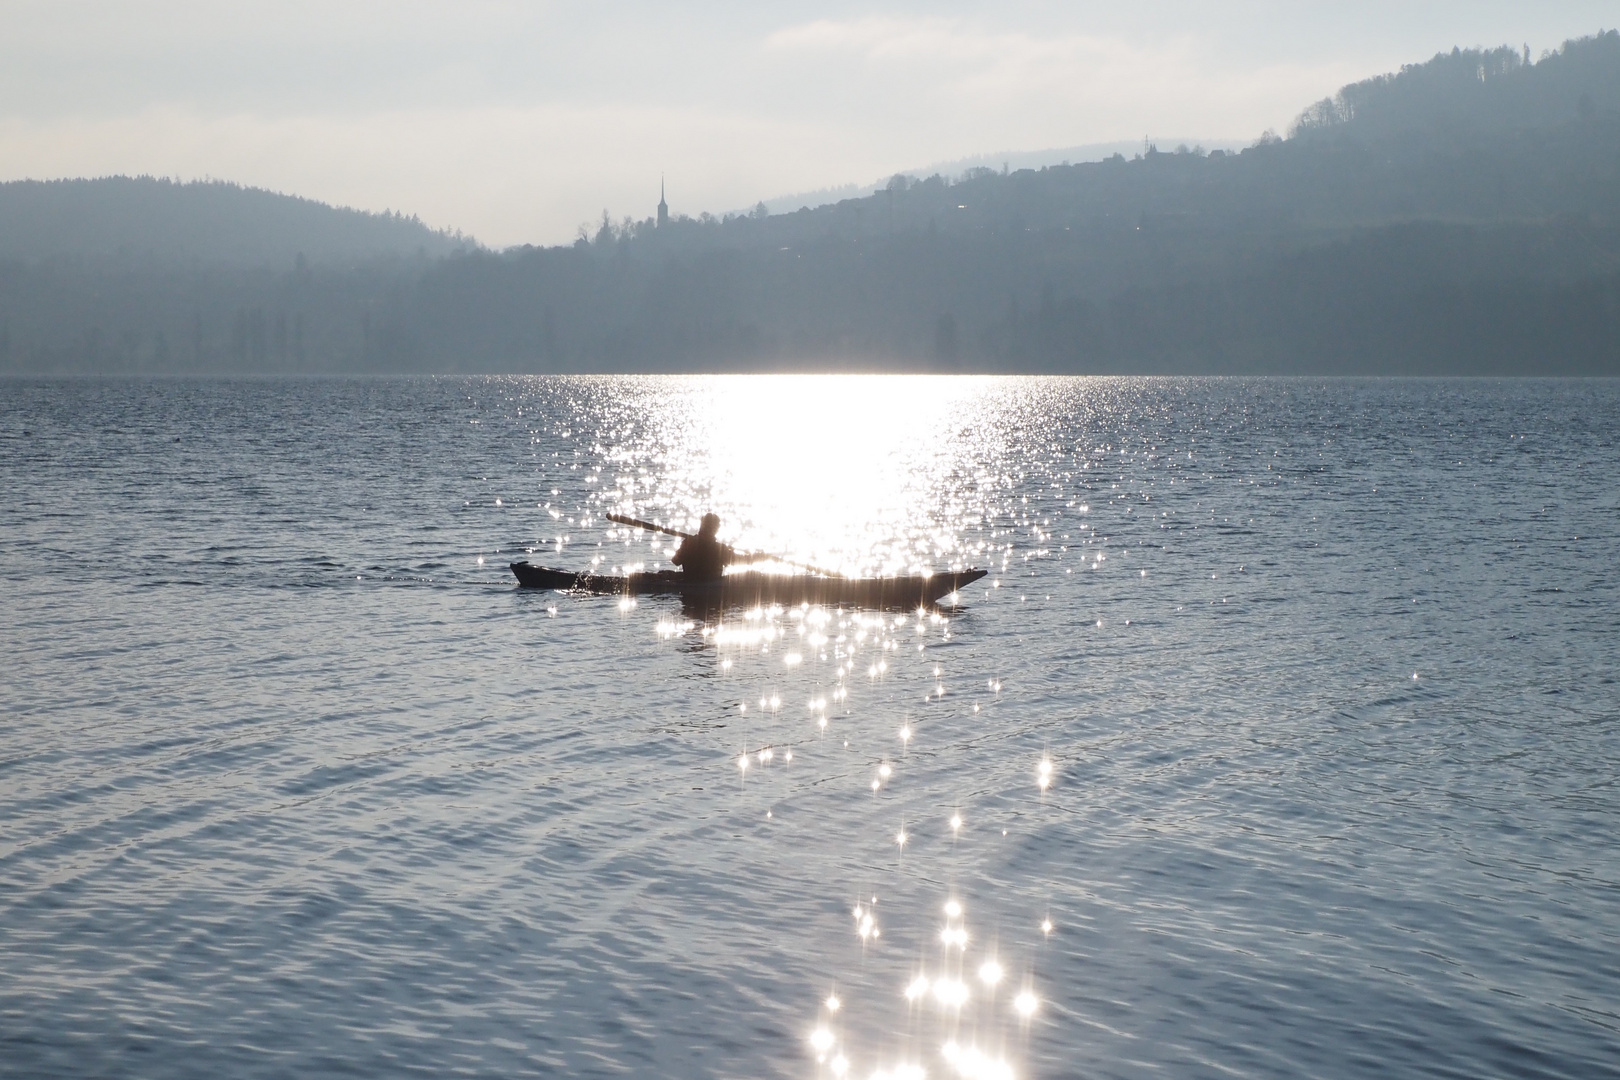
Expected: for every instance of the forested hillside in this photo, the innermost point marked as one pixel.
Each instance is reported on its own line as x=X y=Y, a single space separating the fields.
x=147 y=274
x=146 y=221
x=1461 y=215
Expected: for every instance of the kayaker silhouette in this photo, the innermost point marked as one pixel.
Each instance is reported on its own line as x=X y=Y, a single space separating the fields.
x=702 y=557
x=703 y=560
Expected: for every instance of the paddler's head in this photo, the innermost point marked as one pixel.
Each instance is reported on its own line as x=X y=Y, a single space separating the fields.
x=709 y=526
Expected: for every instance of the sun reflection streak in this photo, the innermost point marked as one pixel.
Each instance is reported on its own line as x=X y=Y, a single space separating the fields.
x=867 y=501
x=945 y=1001
x=862 y=493
x=973 y=1064
x=865 y=924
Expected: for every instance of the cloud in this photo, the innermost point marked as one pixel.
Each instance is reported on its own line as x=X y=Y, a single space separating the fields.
x=1062 y=86
x=936 y=40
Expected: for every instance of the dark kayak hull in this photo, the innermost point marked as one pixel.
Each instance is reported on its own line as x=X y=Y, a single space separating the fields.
x=752 y=588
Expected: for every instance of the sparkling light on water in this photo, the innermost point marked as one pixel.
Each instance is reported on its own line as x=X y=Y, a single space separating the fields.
x=849 y=512
x=307 y=771
x=867 y=498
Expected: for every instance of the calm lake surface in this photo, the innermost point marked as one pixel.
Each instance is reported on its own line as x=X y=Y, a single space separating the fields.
x=295 y=782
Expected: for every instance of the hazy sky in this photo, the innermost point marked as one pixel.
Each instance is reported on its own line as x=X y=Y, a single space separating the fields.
x=516 y=121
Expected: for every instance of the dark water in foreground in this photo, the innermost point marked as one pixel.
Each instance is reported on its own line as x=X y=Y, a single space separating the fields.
x=293 y=782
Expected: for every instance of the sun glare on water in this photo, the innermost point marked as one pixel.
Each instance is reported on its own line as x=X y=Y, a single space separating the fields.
x=865 y=475
x=842 y=471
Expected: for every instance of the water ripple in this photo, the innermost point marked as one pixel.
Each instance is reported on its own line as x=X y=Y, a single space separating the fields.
x=293 y=781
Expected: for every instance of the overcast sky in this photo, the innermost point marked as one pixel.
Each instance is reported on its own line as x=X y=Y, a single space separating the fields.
x=516 y=121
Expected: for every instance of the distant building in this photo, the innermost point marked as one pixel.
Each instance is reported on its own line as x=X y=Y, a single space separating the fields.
x=663 y=207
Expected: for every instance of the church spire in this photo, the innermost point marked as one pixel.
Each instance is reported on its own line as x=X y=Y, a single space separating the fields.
x=663 y=207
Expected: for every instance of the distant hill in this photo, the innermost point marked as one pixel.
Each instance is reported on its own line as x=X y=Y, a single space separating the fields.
x=1005 y=161
x=1471 y=135
x=1469 y=92
x=144 y=220
x=1459 y=216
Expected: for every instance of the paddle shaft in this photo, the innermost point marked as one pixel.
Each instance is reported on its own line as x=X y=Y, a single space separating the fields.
x=638 y=523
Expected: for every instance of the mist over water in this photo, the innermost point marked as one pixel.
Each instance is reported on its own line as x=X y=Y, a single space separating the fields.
x=294 y=781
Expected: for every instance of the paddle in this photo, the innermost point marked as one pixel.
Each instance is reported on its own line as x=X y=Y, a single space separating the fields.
x=747 y=556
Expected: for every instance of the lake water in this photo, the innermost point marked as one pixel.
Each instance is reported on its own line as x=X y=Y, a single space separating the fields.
x=294 y=782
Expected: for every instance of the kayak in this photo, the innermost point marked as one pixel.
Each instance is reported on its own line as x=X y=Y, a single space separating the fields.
x=751 y=588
